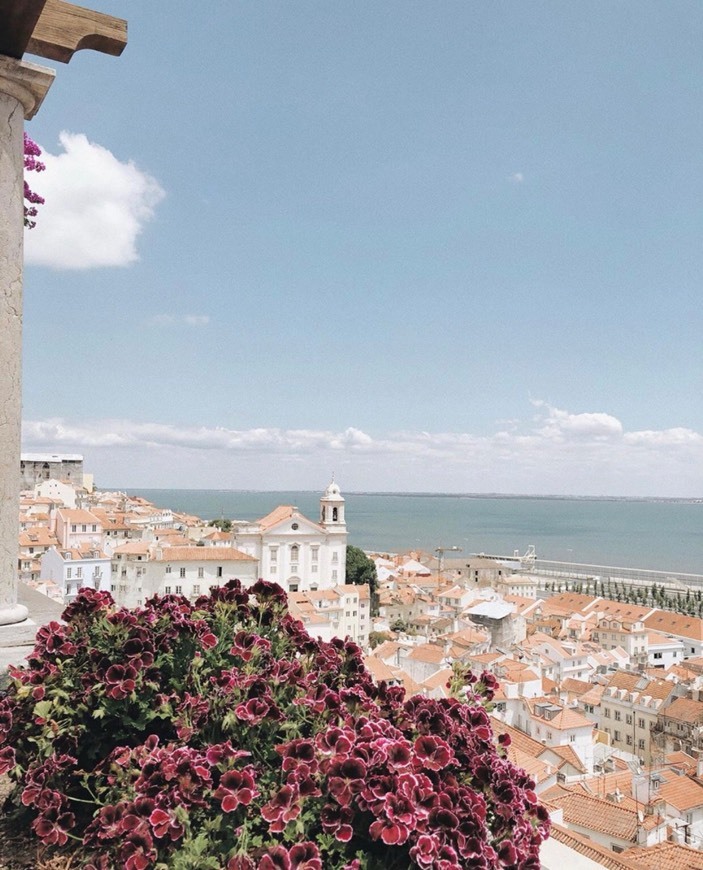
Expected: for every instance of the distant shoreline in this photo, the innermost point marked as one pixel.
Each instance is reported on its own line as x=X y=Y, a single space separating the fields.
x=457 y=495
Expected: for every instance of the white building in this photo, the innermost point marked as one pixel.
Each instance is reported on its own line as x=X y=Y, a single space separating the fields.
x=554 y=725
x=663 y=651
x=78 y=528
x=341 y=611
x=141 y=570
x=73 y=568
x=296 y=552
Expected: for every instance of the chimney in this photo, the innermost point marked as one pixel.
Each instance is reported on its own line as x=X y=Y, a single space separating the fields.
x=699 y=767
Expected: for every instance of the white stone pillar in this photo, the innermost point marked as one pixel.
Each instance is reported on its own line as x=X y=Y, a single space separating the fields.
x=22 y=88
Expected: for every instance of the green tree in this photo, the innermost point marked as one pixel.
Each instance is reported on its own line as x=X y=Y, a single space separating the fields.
x=362 y=571
x=222 y=525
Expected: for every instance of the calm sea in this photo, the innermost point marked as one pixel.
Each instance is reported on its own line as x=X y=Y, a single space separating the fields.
x=636 y=534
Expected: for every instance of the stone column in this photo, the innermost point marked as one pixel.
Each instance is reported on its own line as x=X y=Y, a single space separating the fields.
x=22 y=88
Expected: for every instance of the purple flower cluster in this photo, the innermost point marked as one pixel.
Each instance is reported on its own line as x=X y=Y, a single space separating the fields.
x=31 y=164
x=221 y=731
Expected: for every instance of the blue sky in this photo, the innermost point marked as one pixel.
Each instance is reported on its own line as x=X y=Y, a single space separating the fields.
x=431 y=246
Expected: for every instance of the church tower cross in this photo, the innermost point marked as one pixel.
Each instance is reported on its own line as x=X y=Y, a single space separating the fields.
x=55 y=30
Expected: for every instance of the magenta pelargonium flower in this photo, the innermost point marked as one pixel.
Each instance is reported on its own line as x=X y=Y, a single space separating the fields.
x=120 y=681
x=219 y=728
x=236 y=788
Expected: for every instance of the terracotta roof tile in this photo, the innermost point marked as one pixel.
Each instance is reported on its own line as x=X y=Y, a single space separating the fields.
x=203 y=554
x=684 y=710
x=597 y=853
x=676 y=623
x=595 y=814
x=664 y=856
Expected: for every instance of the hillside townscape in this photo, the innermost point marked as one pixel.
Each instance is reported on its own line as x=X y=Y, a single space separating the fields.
x=602 y=698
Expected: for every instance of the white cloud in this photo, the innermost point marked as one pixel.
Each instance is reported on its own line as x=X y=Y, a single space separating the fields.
x=559 y=452
x=96 y=207
x=179 y=320
x=563 y=425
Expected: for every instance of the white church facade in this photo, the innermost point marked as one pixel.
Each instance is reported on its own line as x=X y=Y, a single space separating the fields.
x=296 y=552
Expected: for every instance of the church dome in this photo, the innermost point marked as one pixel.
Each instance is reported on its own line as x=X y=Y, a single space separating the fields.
x=333 y=493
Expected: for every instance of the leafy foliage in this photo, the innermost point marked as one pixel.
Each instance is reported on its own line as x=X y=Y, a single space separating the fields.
x=360 y=570
x=219 y=734
x=223 y=525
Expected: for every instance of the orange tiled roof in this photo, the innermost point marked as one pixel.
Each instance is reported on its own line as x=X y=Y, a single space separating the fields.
x=597 y=853
x=569 y=757
x=203 y=554
x=676 y=623
x=70 y=515
x=664 y=856
x=522 y=741
x=427 y=652
x=594 y=814
x=681 y=792
x=684 y=710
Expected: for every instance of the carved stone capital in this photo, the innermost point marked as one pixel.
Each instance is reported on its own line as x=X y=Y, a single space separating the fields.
x=27 y=82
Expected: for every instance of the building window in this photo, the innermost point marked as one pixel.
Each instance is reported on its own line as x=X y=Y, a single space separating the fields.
x=294 y=552
x=334 y=575
x=274 y=569
x=658 y=655
x=617 y=716
x=69 y=573
x=201 y=573
x=79 y=572
x=219 y=570
x=74 y=528
x=84 y=528
x=94 y=529
x=640 y=723
x=616 y=735
x=313 y=568
x=335 y=557
x=168 y=569
x=273 y=554
x=572 y=738
x=640 y=744
x=315 y=551
x=293 y=587
x=606 y=712
x=179 y=590
x=628 y=719
x=182 y=573
x=196 y=588
x=628 y=740
x=167 y=590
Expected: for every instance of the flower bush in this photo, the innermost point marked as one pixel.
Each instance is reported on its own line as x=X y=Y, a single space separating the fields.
x=219 y=734
x=31 y=164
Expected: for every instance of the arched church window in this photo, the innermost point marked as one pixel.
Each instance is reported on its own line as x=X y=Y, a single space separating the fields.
x=334 y=515
x=294 y=551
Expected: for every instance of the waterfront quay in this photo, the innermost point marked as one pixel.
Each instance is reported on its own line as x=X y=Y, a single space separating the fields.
x=643 y=577
x=550 y=569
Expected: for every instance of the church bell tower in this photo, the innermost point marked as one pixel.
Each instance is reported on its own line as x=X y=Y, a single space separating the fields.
x=332 y=509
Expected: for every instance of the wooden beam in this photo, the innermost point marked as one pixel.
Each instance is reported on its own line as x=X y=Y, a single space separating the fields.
x=18 y=18
x=63 y=29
